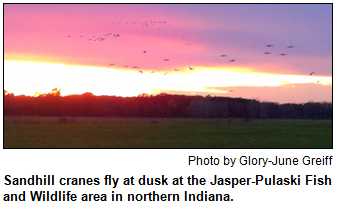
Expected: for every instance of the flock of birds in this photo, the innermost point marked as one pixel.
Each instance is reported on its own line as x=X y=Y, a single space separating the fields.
x=143 y=24
x=282 y=54
x=155 y=23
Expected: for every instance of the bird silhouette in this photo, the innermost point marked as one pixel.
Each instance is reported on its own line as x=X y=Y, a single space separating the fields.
x=190 y=68
x=116 y=35
x=223 y=55
x=269 y=45
x=166 y=60
x=283 y=54
x=176 y=69
x=267 y=53
x=290 y=47
x=312 y=73
x=232 y=60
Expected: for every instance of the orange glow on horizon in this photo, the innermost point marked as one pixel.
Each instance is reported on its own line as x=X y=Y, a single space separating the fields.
x=30 y=79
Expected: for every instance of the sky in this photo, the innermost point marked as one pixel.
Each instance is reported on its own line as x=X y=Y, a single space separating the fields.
x=270 y=52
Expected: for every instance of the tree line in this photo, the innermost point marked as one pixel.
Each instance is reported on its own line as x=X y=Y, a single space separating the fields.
x=162 y=105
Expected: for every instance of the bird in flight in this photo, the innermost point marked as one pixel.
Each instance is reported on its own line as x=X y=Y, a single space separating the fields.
x=116 y=35
x=166 y=60
x=111 y=64
x=140 y=72
x=152 y=71
x=267 y=53
x=233 y=60
x=269 y=45
x=283 y=54
x=312 y=73
x=223 y=55
x=190 y=68
x=176 y=69
x=290 y=47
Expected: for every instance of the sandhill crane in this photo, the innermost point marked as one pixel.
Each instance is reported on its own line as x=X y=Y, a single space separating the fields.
x=116 y=35
x=283 y=54
x=145 y=23
x=290 y=47
x=269 y=45
x=232 y=60
x=267 y=53
x=223 y=55
x=312 y=73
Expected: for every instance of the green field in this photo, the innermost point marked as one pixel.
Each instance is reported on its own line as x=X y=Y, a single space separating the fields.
x=87 y=132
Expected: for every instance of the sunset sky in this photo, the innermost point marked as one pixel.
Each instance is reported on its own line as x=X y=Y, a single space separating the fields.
x=190 y=49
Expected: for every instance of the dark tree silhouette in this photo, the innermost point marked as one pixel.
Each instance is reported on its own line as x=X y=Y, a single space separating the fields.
x=162 y=105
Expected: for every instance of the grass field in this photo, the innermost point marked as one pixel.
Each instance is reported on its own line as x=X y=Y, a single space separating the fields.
x=87 y=132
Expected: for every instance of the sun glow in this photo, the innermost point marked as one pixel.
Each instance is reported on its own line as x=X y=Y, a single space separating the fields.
x=28 y=78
